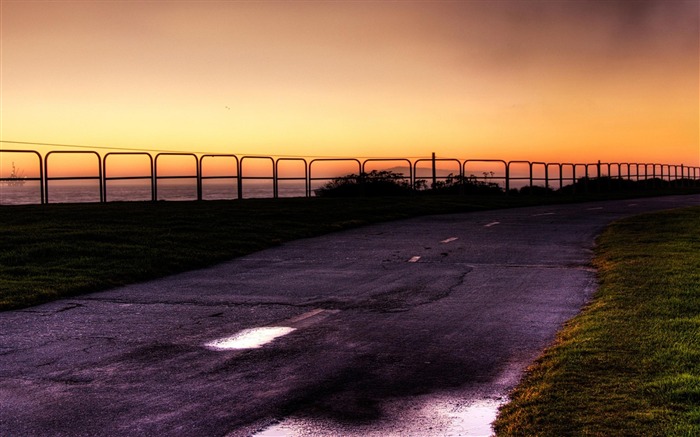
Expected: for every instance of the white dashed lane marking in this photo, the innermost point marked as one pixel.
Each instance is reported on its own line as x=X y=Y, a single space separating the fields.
x=414 y=259
x=544 y=213
x=492 y=224
x=307 y=315
x=449 y=240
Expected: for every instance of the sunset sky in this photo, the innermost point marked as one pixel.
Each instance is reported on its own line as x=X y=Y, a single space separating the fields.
x=533 y=80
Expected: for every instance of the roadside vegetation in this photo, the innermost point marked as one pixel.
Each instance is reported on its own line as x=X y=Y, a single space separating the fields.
x=629 y=364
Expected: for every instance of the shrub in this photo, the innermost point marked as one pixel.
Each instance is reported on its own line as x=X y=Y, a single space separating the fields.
x=457 y=184
x=374 y=183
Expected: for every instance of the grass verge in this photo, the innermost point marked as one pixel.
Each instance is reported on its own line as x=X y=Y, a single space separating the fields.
x=629 y=364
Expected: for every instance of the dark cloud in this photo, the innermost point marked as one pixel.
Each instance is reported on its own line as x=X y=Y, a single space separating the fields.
x=640 y=23
x=512 y=33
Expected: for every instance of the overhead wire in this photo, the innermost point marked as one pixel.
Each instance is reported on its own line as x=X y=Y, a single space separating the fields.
x=200 y=152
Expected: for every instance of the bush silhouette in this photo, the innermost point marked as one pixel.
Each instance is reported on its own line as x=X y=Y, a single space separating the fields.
x=374 y=183
x=389 y=183
x=457 y=184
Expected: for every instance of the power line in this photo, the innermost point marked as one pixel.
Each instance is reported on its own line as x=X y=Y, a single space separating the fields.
x=130 y=149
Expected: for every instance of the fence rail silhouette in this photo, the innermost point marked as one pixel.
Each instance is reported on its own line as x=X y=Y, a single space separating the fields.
x=549 y=175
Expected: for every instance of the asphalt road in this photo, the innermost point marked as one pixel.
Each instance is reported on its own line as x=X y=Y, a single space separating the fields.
x=413 y=327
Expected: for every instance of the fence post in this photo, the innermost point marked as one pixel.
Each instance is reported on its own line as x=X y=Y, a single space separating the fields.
x=240 y=179
x=199 y=178
x=434 y=173
x=682 y=175
x=507 y=178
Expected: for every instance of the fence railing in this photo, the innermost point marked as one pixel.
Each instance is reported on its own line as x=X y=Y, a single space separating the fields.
x=549 y=175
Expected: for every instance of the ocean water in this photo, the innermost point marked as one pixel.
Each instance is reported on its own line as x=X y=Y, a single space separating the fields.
x=72 y=192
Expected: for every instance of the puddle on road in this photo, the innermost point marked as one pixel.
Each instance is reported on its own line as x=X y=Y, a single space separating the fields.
x=252 y=338
x=474 y=420
x=444 y=417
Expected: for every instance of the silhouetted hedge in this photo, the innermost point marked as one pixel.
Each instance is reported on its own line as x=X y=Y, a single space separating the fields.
x=457 y=184
x=374 y=183
x=388 y=183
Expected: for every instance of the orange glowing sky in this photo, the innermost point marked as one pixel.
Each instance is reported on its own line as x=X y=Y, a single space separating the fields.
x=537 y=80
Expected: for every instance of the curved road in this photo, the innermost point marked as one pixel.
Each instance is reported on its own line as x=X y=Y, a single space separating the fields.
x=416 y=327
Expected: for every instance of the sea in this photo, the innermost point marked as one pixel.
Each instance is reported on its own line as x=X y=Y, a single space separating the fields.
x=119 y=191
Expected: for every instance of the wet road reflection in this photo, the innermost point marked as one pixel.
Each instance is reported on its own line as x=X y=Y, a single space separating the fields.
x=450 y=417
x=250 y=338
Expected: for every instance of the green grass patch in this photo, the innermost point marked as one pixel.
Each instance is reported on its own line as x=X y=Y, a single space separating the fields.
x=629 y=364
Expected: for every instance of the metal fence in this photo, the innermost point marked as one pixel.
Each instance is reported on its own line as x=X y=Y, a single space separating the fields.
x=510 y=173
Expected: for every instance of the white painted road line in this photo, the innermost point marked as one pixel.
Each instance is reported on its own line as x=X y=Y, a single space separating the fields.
x=449 y=240
x=544 y=213
x=414 y=259
x=305 y=316
x=492 y=224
